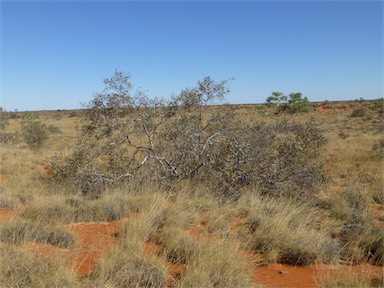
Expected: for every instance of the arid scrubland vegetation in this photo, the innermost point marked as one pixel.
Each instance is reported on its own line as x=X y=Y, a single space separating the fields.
x=136 y=192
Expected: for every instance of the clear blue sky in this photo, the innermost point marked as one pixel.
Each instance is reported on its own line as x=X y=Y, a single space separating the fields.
x=54 y=55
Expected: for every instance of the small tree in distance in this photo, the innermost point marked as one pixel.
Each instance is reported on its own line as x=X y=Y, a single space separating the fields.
x=298 y=103
x=294 y=102
x=277 y=98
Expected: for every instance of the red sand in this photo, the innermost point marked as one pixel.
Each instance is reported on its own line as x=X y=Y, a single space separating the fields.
x=152 y=249
x=175 y=272
x=378 y=212
x=199 y=230
x=47 y=172
x=6 y=214
x=4 y=178
x=46 y=252
x=94 y=240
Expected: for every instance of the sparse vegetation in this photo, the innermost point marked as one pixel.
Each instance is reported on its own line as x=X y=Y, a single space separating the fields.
x=187 y=192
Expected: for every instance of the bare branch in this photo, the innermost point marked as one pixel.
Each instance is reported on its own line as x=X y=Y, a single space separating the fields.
x=209 y=139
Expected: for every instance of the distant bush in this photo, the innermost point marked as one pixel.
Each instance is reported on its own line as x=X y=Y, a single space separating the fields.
x=379 y=106
x=34 y=132
x=72 y=114
x=6 y=137
x=14 y=115
x=298 y=103
x=57 y=116
x=359 y=112
x=54 y=129
x=293 y=103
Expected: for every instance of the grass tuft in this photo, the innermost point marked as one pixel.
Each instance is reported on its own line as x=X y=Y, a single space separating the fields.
x=19 y=268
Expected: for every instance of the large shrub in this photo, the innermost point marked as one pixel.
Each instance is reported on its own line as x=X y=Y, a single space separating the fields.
x=127 y=135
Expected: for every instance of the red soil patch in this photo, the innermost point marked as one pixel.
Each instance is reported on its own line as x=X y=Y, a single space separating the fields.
x=4 y=178
x=286 y=276
x=47 y=172
x=94 y=241
x=43 y=169
x=279 y=275
x=175 y=272
x=6 y=214
x=234 y=223
x=198 y=231
x=45 y=251
x=378 y=212
x=152 y=248
x=323 y=109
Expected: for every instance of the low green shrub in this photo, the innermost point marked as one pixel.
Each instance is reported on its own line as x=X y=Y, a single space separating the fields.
x=34 y=132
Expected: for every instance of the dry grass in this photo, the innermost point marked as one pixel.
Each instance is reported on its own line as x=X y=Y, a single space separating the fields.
x=128 y=265
x=288 y=232
x=354 y=280
x=19 y=268
x=216 y=265
x=190 y=225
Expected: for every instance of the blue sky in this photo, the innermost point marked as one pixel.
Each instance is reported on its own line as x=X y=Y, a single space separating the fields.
x=55 y=54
